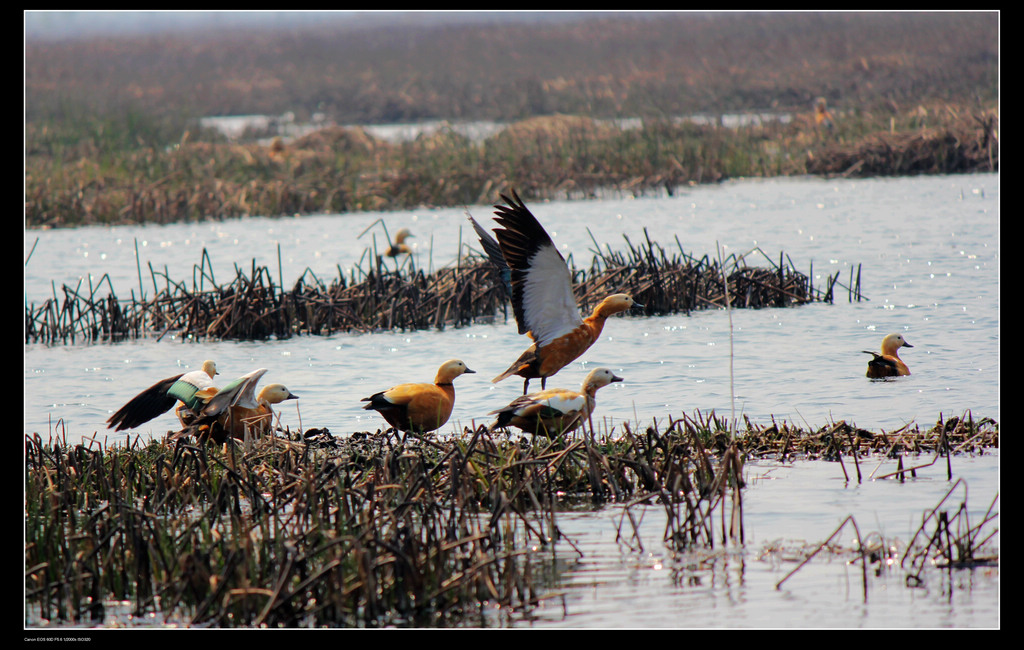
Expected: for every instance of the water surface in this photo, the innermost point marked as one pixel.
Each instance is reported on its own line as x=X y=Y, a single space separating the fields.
x=928 y=252
x=927 y=248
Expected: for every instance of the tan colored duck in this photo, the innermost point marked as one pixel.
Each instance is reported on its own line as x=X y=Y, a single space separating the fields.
x=541 y=294
x=420 y=407
x=554 y=411
x=400 y=247
x=236 y=411
x=888 y=364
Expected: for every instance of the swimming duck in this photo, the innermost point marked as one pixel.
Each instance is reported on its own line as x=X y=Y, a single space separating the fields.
x=192 y=389
x=420 y=407
x=542 y=298
x=236 y=410
x=888 y=364
x=556 y=410
x=399 y=247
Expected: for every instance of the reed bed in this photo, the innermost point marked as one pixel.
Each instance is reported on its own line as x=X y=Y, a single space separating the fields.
x=375 y=529
x=375 y=296
x=948 y=436
x=367 y=531
x=337 y=170
x=965 y=144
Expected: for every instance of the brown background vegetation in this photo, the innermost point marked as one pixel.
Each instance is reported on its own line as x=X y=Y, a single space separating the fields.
x=619 y=65
x=113 y=135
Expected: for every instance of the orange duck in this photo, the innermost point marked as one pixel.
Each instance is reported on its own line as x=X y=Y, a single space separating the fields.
x=822 y=116
x=192 y=389
x=419 y=407
x=541 y=294
x=554 y=411
x=400 y=247
x=888 y=364
x=236 y=411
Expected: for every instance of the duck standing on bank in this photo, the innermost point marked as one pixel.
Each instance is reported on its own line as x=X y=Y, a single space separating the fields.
x=418 y=408
x=888 y=364
x=541 y=295
x=822 y=116
x=554 y=411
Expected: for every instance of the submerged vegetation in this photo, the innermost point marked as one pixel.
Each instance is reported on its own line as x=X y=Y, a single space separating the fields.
x=374 y=529
x=108 y=143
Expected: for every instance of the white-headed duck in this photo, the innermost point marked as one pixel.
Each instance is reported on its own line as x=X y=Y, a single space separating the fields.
x=236 y=410
x=420 y=407
x=554 y=411
x=542 y=297
x=888 y=364
x=400 y=247
x=192 y=389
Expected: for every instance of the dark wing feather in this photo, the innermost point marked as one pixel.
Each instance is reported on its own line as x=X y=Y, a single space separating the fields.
x=879 y=366
x=542 y=295
x=150 y=403
x=493 y=250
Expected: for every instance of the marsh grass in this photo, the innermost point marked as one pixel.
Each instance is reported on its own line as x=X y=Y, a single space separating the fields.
x=378 y=296
x=374 y=529
x=370 y=530
x=340 y=170
x=108 y=143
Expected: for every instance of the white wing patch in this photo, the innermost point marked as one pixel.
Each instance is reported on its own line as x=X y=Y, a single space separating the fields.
x=549 y=307
x=247 y=395
x=564 y=404
x=197 y=378
x=240 y=392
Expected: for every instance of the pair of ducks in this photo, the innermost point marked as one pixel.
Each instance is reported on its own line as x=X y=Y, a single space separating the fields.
x=420 y=408
x=209 y=413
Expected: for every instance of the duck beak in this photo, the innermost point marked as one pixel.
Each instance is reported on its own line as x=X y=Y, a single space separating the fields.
x=472 y=372
x=907 y=345
x=616 y=378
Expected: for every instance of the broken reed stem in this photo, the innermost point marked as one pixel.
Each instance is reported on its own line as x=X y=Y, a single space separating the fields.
x=860 y=546
x=728 y=310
